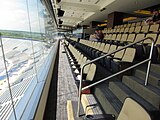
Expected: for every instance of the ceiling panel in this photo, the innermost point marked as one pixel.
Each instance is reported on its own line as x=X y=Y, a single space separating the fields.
x=87 y=2
x=90 y=10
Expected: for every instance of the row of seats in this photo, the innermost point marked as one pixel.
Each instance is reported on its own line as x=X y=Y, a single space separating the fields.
x=130 y=24
x=143 y=48
x=107 y=30
x=114 y=62
x=77 y=60
x=135 y=29
x=129 y=38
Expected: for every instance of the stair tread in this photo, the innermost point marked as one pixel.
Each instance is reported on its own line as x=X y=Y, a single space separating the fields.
x=144 y=91
x=135 y=96
x=156 y=65
x=114 y=101
x=149 y=86
x=152 y=74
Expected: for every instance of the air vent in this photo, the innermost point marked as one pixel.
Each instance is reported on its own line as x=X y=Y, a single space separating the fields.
x=97 y=2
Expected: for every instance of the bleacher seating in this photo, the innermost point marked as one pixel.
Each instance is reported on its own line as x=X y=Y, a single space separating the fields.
x=77 y=60
x=111 y=95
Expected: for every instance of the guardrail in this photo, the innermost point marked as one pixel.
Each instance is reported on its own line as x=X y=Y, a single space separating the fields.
x=115 y=74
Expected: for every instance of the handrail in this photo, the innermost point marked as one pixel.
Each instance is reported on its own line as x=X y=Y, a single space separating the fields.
x=111 y=76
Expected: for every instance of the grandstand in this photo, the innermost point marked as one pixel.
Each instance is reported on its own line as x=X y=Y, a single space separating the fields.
x=67 y=74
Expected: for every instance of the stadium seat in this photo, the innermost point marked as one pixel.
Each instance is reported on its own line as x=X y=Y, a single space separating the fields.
x=131 y=38
x=123 y=39
x=145 y=29
x=123 y=61
x=133 y=24
x=132 y=110
x=131 y=29
x=137 y=29
x=117 y=55
x=138 y=23
x=126 y=30
x=107 y=49
x=140 y=54
x=154 y=28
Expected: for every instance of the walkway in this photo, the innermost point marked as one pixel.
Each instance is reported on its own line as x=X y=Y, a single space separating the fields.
x=67 y=89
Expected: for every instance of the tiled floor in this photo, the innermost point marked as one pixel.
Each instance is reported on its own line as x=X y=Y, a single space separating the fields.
x=67 y=89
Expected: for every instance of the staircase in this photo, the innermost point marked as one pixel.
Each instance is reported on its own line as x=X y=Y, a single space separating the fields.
x=111 y=96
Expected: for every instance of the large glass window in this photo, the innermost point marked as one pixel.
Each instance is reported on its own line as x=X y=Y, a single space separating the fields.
x=26 y=49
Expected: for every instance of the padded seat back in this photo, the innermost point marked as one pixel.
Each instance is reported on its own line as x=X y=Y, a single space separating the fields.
x=131 y=37
x=114 y=30
x=86 y=68
x=154 y=28
x=84 y=60
x=108 y=37
x=125 y=25
x=98 y=45
x=129 y=55
x=118 y=30
x=137 y=29
x=126 y=29
x=154 y=36
x=95 y=44
x=139 y=37
x=101 y=47
x=118 y=37
x=91 y=72
x=80 y=59
x=112 y=48
x=131 y=110
x=120 y=53
x=138 y=23
x=124 y=37
x=133 y=24
x=129 y=25
x=131 y=29
x=121 y=30
x=145 y=29
x=106 y=48
x=113 y=36
x=158 y=40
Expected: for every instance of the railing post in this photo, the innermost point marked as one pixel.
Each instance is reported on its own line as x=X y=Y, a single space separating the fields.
x=79 y=92
x=149 y=64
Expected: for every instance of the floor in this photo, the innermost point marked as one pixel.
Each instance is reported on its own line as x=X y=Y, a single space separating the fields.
x=67 y=89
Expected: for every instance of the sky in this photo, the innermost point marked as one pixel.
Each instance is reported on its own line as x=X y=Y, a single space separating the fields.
x=14 y=15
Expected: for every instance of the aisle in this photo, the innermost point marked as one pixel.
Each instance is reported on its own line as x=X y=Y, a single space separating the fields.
x=67 y=89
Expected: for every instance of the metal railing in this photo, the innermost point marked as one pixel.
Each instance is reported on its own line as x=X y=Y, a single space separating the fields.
x=115 y=74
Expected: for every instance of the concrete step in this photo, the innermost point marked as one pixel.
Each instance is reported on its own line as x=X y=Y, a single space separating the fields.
x=122 y=92
x=154 y=79
x=155 y=68
x=148 y=94
x=109 y=102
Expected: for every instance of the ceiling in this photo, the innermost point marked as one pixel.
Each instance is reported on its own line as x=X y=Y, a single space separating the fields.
x=85 y=11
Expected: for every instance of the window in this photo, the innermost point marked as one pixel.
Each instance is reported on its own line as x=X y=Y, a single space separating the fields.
x=26 y=51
